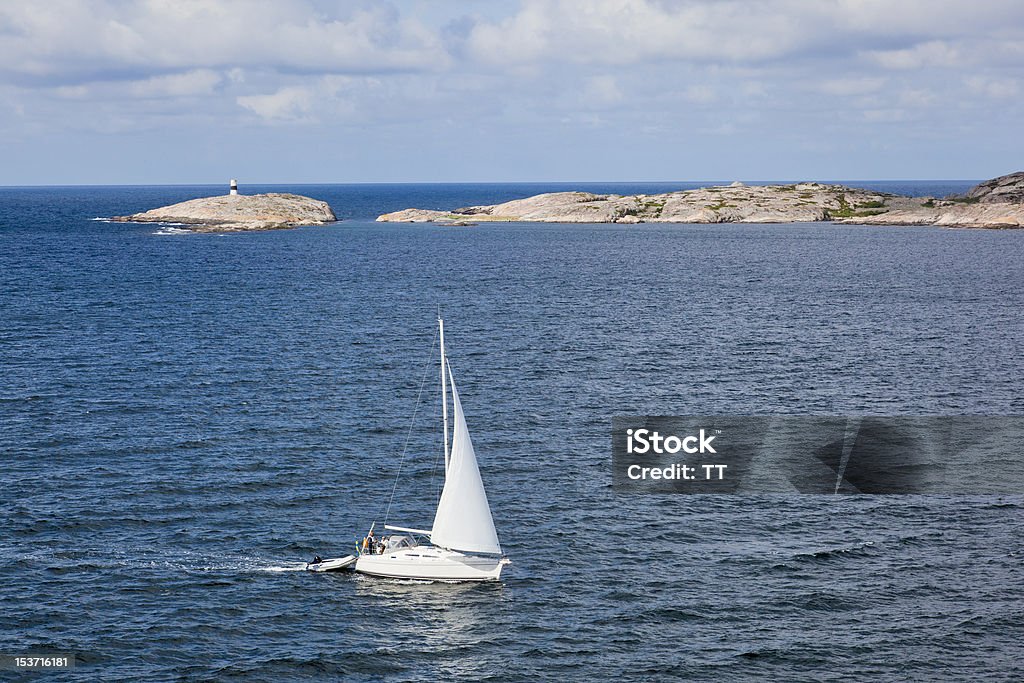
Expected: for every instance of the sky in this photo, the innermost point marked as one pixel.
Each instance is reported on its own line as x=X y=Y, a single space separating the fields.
x=301 y=91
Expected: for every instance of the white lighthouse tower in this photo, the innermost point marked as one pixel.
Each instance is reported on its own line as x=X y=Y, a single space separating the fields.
x=234 y=186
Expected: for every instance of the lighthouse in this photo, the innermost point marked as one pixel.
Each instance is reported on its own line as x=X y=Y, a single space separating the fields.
x=234 y=186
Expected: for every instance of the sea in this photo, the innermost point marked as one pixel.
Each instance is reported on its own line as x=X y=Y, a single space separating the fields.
x=186 y=419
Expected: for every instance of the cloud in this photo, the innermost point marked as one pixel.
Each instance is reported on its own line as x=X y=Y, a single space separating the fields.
x=311 y=101
x=468 y=76
x=994 y=88
x=934 y=53
x=186 y=84
x=908 y=34
x=66 y=42
x=286 y=104
x=634 y=31
x=177 y=86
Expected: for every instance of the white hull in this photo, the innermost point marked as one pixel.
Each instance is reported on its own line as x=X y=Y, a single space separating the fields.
x=431 y=564
x=334 y=565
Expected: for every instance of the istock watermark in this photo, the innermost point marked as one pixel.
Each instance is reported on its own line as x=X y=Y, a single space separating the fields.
x=642 y=441
x=975 y=455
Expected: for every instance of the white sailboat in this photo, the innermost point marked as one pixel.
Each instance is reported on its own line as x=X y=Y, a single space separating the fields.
x=463 y=543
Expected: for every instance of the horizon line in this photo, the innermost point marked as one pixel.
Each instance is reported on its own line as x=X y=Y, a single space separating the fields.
x=504 y=182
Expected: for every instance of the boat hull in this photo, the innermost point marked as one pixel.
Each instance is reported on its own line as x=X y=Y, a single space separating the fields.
x=431 y=564
x=333 y=565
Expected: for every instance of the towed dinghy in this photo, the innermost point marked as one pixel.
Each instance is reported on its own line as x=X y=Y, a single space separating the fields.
x=334 y=565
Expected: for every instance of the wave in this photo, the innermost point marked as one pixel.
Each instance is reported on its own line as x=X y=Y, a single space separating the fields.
x=293 y=567
x=118 y=559
x=168 y=228
x=826 y=553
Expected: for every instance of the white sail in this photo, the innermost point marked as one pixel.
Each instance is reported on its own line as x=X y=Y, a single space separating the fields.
x=463 y=520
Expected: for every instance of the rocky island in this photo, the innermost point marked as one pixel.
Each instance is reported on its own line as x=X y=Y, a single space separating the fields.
x=997 y=203
x=236 y=212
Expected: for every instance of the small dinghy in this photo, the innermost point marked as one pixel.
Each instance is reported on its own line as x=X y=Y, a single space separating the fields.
x=337 y=564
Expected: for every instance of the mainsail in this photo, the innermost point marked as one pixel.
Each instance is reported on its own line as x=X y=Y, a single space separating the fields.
x=463 y=520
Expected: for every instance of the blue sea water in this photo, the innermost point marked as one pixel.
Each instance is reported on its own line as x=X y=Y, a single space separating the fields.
x=186 y=418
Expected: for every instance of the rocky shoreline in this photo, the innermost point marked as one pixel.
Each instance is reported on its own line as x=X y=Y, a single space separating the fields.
x=238 y=213
x=997 y=203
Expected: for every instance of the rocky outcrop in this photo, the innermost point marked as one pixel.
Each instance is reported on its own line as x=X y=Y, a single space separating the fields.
x=1006 y=189
x=235 y=213
x=996 y=203
x=951 y=213
x=991 y=205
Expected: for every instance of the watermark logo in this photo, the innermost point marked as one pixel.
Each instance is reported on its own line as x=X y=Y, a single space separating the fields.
x=820 y=455
x=642 y=441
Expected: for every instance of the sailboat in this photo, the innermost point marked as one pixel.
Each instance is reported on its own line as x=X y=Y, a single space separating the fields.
x=462 y=544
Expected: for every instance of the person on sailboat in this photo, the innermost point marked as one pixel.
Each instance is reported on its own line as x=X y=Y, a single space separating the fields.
x=368 y=543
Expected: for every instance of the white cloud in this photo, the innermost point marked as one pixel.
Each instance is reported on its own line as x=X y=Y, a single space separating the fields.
x=995 y=88
x=471 y=76
x=187 y=84
x=934 y=53
x=293 y=103
x=310 y=101
x=67 y=41
x=905 y=34
x=634 y=31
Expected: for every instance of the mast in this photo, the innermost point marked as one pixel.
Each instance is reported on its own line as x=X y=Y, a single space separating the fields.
x=444 y=395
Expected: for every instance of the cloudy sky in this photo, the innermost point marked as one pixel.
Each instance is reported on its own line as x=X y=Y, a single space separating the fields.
x=190 y=91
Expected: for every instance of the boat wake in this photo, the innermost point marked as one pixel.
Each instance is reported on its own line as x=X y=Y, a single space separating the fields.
x=290 y=567
x=119 y=559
